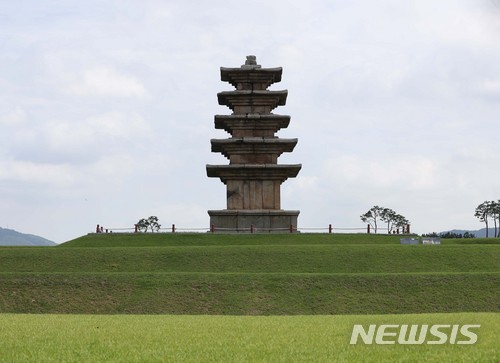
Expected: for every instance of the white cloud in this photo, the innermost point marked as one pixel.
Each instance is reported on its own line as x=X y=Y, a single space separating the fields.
x=78 y=141
x=105 y=81
x=490 y=87
x=107 y=127
x=393 y=102
x=402 y=172
x=16 y=116
x=36 y=173
x=464 y=23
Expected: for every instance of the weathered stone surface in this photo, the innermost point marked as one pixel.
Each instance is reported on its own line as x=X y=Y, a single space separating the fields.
x=253 y=171
x=251 y=77
x=253 y=194
x=253 y=150
x=252 y=101
x=253 y=177
x=252 y=124
x=278 y=221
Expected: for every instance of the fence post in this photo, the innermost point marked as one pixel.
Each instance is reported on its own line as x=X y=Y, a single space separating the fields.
x=330 y=228
x=251 y=228
x=212 y=228
x=368 y=228
x=173 y=228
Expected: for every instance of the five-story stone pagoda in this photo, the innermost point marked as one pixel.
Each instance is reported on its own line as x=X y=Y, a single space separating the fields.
x=253 y=176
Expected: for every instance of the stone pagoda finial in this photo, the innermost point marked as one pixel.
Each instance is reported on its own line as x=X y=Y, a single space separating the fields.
x=251 y=62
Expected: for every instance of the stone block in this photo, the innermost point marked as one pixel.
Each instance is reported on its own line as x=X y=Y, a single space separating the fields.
x=264 y=221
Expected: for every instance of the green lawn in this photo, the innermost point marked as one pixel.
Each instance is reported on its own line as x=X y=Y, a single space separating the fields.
x=370 y=258
x=243 y=298
x=249 y=275
x=248 y=294
x=207 y=239
x=167 y=338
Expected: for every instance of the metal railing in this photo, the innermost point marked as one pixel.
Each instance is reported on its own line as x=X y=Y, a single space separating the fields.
x=253 y=229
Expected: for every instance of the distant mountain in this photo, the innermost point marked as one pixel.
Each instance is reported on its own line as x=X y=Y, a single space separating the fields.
x=479 y=233
x=9 y=237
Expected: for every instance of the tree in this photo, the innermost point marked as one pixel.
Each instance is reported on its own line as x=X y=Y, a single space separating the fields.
x=142 y=225
x=387 y=215
x=482 y=212
x=151 y=223
x=494 y=212
x=401 y=222
x=497 y=207
x=372 y=216
x=394 y=220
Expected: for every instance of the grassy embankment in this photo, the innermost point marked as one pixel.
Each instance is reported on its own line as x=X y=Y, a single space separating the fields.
x=250 y=275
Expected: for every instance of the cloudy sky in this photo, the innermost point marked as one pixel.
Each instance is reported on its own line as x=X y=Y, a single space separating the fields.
x=106 y=109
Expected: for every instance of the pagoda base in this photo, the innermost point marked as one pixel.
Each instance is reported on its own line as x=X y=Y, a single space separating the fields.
x=249 y=221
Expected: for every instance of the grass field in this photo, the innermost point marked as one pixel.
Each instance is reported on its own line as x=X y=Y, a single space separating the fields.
x=208 y=239
x=168 y=338
x=249 y=275
x=243 y=298
x=256 y=259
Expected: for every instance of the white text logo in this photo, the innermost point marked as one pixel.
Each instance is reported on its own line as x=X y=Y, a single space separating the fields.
x=414 y=334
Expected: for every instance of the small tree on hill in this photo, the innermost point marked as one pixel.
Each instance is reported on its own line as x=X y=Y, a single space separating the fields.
x=373 y=216
x=482 y=212
x=150 y=223
x=401 y=222
x=387 y=215
x=494 y=212
x=142 y=225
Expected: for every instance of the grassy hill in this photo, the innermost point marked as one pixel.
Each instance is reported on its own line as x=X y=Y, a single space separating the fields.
x=208 y=239
x=250 y=275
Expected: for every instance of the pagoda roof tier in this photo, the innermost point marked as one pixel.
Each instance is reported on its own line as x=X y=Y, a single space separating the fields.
x=253 y=171
x=240 y=78
x=242 y=102
x=246 y=123
x=253 y=145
